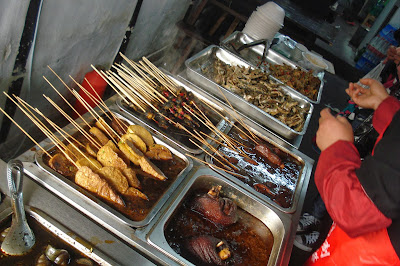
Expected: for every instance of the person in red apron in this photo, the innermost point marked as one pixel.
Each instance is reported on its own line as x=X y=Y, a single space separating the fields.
x=362 y=197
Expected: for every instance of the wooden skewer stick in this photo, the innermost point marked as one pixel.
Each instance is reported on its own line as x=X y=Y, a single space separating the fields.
x=136 y=67
x=58 y=143
x=110 y=131
x=123 y=92
x=212 y=165
x=236 y=116
x=104 y=76
x=149 y=87
x=26 y=133
x=76 y=125
x=255 y=140
x=162 y=74
x=62 y=97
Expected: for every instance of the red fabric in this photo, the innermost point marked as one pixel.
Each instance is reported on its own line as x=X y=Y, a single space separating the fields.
x=370 y=249
x=383 y=116
x=342 y=193
x=358 y=235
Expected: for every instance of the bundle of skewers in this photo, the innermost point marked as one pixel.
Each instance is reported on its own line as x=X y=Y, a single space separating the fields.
x=105 y=158
x=147 y=89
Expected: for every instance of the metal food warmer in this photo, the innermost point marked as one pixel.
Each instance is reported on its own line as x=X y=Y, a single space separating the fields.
x=122 y=240
x=258 y=56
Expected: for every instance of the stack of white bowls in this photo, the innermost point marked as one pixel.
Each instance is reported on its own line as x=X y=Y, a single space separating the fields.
x=265 y=22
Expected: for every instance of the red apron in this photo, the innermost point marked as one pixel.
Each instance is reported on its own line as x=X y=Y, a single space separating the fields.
x=369 y=249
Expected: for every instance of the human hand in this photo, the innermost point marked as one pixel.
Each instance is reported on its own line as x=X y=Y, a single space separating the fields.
x=367 y=98
x=332 y=129
x=393 y=53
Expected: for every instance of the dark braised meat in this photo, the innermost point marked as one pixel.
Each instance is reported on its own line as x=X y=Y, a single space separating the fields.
x=264 y=151
x=218 y=210
x=209 y=249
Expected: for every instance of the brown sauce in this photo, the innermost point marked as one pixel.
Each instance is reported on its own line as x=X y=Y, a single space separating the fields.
x=43 y=238
x=280 y=182
x=249 y=239
x=136 y=208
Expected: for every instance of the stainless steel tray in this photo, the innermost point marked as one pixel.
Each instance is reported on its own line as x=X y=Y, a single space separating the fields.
x=204 y=178
x=67 y=238
x=304 y=173
x=171 y=135
x=72 y=190
x=205 y=58
x=254 y=54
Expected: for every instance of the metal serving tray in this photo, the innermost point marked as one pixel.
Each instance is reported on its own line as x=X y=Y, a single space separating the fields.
x=254 y=54
x=205 y=178
x=171 y=135
x=68 y=238
x=304 y=173
x=72 y=190
x=205 y=58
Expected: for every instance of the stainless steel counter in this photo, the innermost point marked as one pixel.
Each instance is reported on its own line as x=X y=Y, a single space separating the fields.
x=121 y=243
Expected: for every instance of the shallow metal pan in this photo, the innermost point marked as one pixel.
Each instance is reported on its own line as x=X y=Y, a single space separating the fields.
x=253 y=56
x=178 y=137
x=304 y=173
x=66 y=239
x=71 y=190
x=205 y=178
x=205 y=58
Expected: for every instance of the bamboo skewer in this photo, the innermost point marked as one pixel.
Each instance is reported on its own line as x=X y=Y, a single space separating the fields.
x=26 y=133
x=76 y=125
x=62 y=97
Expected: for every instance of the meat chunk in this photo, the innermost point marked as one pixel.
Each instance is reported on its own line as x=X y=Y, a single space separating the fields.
x=264 y=151
x=209 y=249
x=91 y=181
x=222 y=211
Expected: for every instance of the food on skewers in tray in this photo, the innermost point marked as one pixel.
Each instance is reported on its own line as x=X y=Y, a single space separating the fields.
x=150 y=94
x=257 y=88
x=120 y=164
x=256 y=162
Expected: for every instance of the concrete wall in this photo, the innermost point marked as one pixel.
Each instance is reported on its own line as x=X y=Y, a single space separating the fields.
x=71 y=36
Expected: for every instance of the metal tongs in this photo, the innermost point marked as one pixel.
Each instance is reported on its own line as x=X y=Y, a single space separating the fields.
x=267 y=43
x=20 y=238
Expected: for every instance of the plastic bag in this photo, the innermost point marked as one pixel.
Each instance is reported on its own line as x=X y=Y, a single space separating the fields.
x=375 y=73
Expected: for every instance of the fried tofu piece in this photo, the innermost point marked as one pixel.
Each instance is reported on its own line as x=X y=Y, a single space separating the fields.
x=91 y=149
x=108 y=157
x=95 y=131
x=62 y=165
x=143 y=133
x=136 y=140
x=119 y=181
x=75 y=151
x=90 y=162
x=130 y=175
x=147 y=166
x=91 y=181
x=134 y=192
x=130 y=151
x=118 y=151
x=106 y=128
x=159 y=152
x=115 y=178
